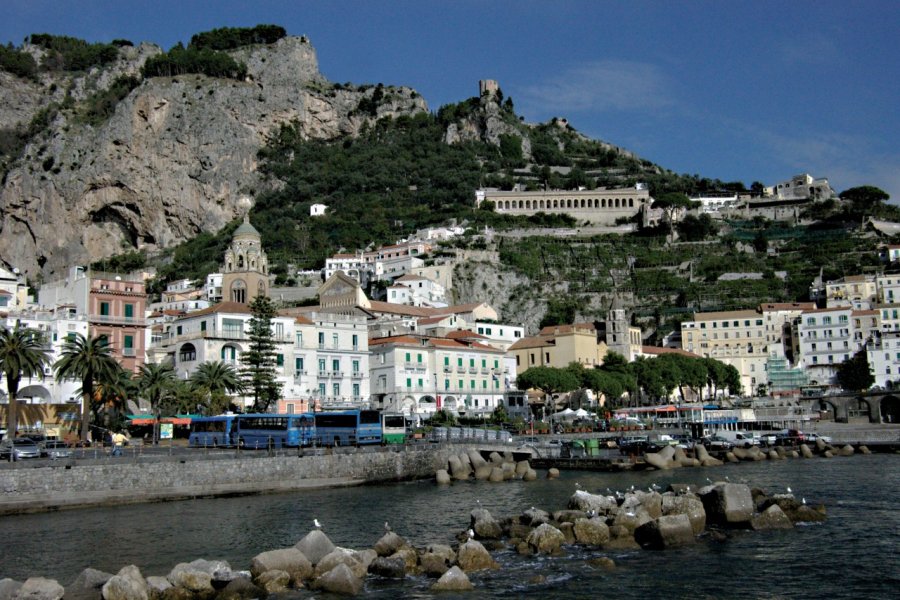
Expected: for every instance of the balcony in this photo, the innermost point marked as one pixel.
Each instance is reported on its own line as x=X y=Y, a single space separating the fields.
x=128 y=352
x=448 y=369
x=299 y=374
x=111 y=320
x=357 y=374
x=323 y=373
x=460 y=369
x=337 y=374
x=473 y=370
x=484 y=370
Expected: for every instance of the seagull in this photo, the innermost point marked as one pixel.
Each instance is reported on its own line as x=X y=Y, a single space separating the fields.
x=726 y=478
x=789 y=490
x=629 y=514
x=532 y=508
x=387 y=528
x=592 y=513
x=804 y=500
x=708 y=480
x=577 y=485
x=317 y=524
x=471 y=534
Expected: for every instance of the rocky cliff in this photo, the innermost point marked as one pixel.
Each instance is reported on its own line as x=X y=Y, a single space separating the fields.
x=173 y=160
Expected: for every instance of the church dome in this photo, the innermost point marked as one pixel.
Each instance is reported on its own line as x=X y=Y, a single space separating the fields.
x=245 y=229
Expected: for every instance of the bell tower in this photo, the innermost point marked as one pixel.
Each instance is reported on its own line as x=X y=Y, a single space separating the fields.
x=245 y=274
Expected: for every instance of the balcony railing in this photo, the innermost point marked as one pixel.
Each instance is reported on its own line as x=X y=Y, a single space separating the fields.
x=357 y=374
x=127 y=351
x=111 y=320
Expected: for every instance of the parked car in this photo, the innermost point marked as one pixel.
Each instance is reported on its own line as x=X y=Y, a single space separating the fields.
x=718 y=443
x=55 y=449
x=812 y=437
x=19 y=448
x=633 y=444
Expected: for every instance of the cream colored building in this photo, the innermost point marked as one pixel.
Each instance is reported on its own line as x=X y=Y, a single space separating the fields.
x=603 y=207
x=856 y=291
x=736 y=338
x=558 y=346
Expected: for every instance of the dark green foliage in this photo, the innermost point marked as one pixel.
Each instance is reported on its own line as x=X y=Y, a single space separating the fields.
x=17 y=62
x=854 y=374
x=180 y=60
x=228 y=38
x=100 y=106
x=866 y=195
x=693 y=228
x=66 y=53
x=397 y=176
x=259 y=360
x=121 y=43
x=121 y=263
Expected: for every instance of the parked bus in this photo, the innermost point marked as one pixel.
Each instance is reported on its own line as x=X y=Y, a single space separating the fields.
x=275 y=431
x=348 y=428
x=213 y=431
x=393 y=428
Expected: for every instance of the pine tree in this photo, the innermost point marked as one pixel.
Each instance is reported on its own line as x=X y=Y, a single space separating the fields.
x=258 y=371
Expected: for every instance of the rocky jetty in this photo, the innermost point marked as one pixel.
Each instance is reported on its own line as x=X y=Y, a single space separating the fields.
x=674 y=458
x=499 y=468
x=654 y=520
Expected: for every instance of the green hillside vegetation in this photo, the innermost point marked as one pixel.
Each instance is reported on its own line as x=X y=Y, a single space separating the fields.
x=66 y=53
x=180 y=61
x=17 y=62
x=229 y=38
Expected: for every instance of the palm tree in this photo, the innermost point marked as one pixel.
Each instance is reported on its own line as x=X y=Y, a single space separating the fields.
x=91 y=361
x=22 y=354
x=110 y=397
x=156 y=382
x=215 y=380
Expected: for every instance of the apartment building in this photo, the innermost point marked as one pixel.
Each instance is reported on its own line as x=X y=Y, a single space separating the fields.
x=419 y=375
x=856 y=291
x=830 y=336
x=321 y=358
x=736 y=338
x=883 y=355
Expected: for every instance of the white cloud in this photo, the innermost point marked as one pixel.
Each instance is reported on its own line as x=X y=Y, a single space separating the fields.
x=601 y=86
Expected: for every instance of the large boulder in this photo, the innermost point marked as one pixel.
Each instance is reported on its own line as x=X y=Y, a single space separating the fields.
x=157 y=584
x=389 y=543
x=127 y=584
x=408 y=555
x=665 y=532
x=472 y=556
x=9 y=587
x=87 y=585
x=39 y=588
x=483 y=472
x=476 y=459
x=651 y=501
x=197 y=576
x=534 y=517
x=274 y=581
x=687 y=504
x=621 y=538
x=241 y=588
x=436 y=560
x=530 y=475
x=846 y=450
x=496 y=475
x=341 y=556
x=584 y=501
x=728 y=504
x=291 y=560
x=805 y=451
x=339 y=580
x=314 y=545
x=552 y=473
x=389 y=567
x=457 y=469
x=568 y=515
x=771 y=518
x=484 y=524
x=442 y=477
x=546 y=539
x=591 y=532
x=522 y=467
x=454 y=580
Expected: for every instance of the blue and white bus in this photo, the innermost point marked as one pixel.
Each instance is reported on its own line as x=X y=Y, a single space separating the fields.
x=212 y=432
x=258 y=431
x=348 y=428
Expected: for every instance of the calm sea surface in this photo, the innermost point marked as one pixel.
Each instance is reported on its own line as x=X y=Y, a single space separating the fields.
x=855 y=554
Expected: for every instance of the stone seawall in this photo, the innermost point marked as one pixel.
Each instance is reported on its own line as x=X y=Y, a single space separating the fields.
x=117 y=481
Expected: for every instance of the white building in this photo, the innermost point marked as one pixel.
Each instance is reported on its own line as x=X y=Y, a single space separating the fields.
x=13 y=289
x=414 y=290
x=829 y=336
x=802 y=187
x=321 y=359
x=883 y=354
x=317 y=210
x=715 y=202
x=856 y=291
x=420 y=375
x=213 y=287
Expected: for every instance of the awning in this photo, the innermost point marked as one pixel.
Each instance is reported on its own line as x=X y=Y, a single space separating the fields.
x=140 y=419
x=176 y=420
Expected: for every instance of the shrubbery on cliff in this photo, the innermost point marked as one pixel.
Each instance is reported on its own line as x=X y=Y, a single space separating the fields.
x=228 y=38
x=17 y=62
x=66 y=53
x=180 y=61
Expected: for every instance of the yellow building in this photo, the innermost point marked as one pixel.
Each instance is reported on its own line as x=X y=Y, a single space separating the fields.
x=558 y=346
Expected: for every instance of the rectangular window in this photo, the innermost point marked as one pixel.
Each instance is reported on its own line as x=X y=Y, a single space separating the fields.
x=408 y=357
x=104 y=309
x=356 y=390
x=334 y=340
x=418 y=358
x=446 y=361
x=298 y=364
x=299 y=339
x=355 y=342
x=336 y=390
x=459 y=362
x=321 y=339
x=279 y=360
x=421 y=386
x=471 y=362
x=202 y=325
x=129 y=311
x=461 y=385
x=356 y=366
x=336 y=364
x=409 y=382
x=484 y=384
x=129 y=342
x=484 y=363
x=446 y=384
x=321 y=365
x=322 y=390
x=472 y=384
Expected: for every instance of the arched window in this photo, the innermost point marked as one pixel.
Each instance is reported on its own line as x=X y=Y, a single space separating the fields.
x=187 y=353
x=240 y=262
x=239 y=291
x=631 y=203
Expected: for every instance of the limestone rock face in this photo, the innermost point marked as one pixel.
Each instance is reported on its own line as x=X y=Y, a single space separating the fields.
x=172 y=161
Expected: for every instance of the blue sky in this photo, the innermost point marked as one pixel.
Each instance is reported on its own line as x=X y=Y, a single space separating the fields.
x=755 y=90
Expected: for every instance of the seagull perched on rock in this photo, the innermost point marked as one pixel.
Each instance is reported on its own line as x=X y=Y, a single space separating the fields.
x=629 y=514
x=470 y=534
x=789 y=490
x=804 y=501
x=387 y=528
x=317 y=524
x=591 y=513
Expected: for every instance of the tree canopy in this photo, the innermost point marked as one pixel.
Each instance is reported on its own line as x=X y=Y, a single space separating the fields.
x=259 y=360
x=865 y=195
x=854 y=374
